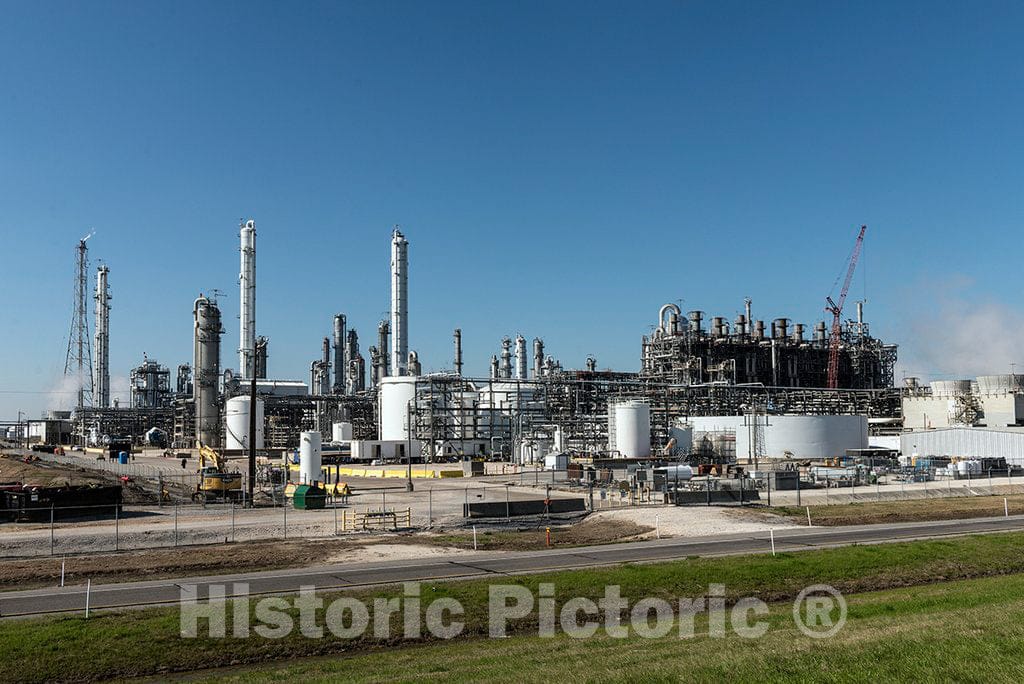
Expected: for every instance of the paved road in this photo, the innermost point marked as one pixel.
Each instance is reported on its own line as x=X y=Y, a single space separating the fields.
x=347 y=576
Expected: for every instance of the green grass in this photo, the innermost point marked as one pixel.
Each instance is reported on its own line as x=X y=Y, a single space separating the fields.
x=147 y=642
x=967 y=631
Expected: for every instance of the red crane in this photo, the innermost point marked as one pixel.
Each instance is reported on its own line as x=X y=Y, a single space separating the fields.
x=837 y=312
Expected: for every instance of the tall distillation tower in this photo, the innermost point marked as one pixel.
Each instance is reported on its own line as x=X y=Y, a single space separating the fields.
x=247 y=308
x=399 y=304
x=78 y=362
x=101 y=371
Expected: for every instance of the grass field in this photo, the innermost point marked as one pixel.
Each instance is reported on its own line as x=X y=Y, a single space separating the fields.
x=911 y=510
x=966 y=631
x=147 y=643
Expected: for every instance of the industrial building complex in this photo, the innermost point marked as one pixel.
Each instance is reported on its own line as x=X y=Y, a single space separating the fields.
x=751 y=389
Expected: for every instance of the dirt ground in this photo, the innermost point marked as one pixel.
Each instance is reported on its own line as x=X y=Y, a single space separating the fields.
x=13 y=468
x=256 y=555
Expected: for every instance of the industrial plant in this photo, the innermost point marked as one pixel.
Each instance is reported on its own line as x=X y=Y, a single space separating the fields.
x=703 y=380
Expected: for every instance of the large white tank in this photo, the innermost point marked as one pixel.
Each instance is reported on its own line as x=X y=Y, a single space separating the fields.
x=341 y=432
x=633 y=428
x=310 y=461
x=395 y=394
x=237 y=433
x=799 y=436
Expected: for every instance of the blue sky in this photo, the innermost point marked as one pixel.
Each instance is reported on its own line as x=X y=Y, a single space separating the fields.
x=560 y=170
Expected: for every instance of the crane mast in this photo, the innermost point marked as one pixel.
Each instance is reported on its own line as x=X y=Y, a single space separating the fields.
x=837 y=311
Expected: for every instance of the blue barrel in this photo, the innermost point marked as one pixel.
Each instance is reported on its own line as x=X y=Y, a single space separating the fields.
x=122 y=457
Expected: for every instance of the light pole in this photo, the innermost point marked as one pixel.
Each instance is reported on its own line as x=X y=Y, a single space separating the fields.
x=408 y=438
x=22 y=438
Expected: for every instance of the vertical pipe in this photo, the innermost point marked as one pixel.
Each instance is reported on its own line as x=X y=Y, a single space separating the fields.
x=399 y=303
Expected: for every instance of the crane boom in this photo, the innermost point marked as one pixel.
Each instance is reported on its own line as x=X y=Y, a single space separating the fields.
x=837 y=311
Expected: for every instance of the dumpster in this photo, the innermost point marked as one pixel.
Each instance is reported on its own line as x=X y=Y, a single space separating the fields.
x=307 y=497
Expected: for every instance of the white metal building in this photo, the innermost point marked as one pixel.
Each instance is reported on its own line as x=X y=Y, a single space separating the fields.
x=967 y=442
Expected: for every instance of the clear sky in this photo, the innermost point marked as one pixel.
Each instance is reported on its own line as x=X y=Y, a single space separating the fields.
x=561 y=169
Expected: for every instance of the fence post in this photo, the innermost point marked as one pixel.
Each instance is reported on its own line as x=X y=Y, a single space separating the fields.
x=383 y=501
x=430 y=508
x=160 y=488
x=175 y=524
x=335 y=517
x=285 y=509
x=51 y=529
x=508 y=509
x=233 y=519
x=465 y=509
x=798 y=486
x=117 y=529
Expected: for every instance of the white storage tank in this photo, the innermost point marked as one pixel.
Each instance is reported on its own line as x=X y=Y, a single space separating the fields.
x=633 y=428
x=395 y=395
x=310 y=461
x=341 y=432
x=237 y=433
x=795 y=436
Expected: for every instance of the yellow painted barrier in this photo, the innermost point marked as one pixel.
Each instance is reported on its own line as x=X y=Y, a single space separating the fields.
x=421 y=472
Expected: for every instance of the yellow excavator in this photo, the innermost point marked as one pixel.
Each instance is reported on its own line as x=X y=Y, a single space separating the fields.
x=214 y=482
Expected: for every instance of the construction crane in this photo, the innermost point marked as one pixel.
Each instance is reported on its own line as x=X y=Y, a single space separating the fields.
x=837 y=311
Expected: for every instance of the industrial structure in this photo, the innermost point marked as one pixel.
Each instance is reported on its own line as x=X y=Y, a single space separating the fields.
x=78 y=360
x=743 y=375
x=101 y=369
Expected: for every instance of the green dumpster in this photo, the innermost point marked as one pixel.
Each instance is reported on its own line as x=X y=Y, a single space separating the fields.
x=309 y=496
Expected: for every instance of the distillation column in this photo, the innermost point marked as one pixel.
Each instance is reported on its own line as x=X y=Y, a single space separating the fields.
x=520 y=357
x=458 y=351
x=247 y=309
x=206 y=362
x=399 y=304
x=339 y=354
x=101 y=371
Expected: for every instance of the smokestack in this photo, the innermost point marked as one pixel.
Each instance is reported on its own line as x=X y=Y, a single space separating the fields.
x=339 y=354
x=206 y=362
x=247 y=309
x=399 y=303
x=458 y=351
x=520 y=357
x=101 y=371
x=860 y=312
x=538 y=357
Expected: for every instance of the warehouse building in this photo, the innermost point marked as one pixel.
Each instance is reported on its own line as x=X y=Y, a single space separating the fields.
x=967 y=443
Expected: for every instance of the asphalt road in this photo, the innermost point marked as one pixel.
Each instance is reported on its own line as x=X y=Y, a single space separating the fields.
x=346 y=576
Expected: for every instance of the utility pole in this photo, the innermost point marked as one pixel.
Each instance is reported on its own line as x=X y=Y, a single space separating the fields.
x=252 y=436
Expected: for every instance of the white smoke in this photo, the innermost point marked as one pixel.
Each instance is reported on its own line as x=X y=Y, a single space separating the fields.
x=964 y=338
x=120 y=389
x=62 y=395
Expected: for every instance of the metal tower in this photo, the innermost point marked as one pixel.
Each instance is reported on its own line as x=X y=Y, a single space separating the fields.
x=78 y=362
x=101 y=375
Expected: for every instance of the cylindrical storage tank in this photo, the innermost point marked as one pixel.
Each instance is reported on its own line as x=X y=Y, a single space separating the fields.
x=695 y=320
x=395 y=394
x=310 y=461
x=633 y=429
x=950 y=388
x=341 y=432
x=678 y=472
x=237 y=433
